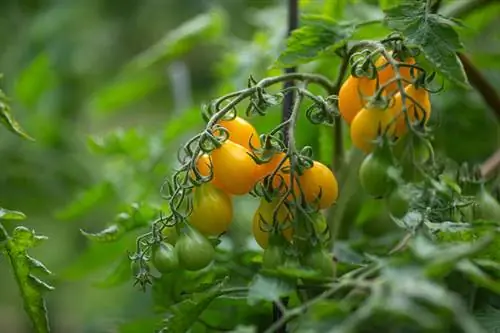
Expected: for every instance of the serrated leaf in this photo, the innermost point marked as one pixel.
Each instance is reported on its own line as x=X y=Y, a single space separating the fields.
x=119 y=274
x=134 y=217
x=264 y=288
x=31 y=287
x=9 y=122
x=6 y=215
x=318 y=34
x=433 y=33
x=181 y=316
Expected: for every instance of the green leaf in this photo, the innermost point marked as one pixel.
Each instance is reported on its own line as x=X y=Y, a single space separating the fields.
x=268 y=289
x=37 y=78
x=132 y=143
x=8 y=120
x=181 y=316
x=478 y=276
x=317 y=35
x=199 y=29
x=134 y=217
x=148 y=324
x=12 y=215
x=24 y=267
x=489 y=318
x=434 y=34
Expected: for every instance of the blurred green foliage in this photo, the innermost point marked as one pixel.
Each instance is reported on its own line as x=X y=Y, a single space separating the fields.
x=109 y=90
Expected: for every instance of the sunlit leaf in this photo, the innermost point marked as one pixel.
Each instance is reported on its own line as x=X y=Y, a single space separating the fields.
x=434 y=34
x=134 y=217
x=317 y=35
x=6 y=215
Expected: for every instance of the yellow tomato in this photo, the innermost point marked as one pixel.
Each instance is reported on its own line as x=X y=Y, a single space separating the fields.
x=203 y=165
x=233 y=168
x=421 y=96
x=319 y=180
x=263 y=221
x=241 y=132
x=264 y=170
x=372 y=122
x=387 y=73
x=355 y=92
x=212 y=210
x=353 y=96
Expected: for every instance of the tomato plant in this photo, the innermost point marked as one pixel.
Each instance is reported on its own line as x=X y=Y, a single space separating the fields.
x=164 y=258
x=194 y=251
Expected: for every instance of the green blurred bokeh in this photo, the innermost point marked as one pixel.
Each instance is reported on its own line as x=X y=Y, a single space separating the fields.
x=137 y=72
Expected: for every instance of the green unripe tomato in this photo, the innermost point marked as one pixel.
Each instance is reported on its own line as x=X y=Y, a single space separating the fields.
x=194 y=251
x=398 y=202
x=320 y=261
x=273 y=257
x=374 y=176
x=164 y=258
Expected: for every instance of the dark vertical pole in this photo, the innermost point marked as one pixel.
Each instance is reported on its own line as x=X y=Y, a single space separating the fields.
x=293 y=23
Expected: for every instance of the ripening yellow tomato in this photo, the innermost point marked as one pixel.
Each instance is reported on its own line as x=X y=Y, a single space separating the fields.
x=263 y=221
x=386 y=73
x=233 y=168
x=266 y=169
x=353 y=96
x=355 y=92
x=241 y=132
x=371 y=122
x=415 y=112
x=203 y=165
x=212 y=210
x=319 y=185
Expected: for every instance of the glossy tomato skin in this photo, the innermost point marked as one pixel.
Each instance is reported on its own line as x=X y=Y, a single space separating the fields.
x=233 y=168
x=356 y=92
x=203 y=164
x=386 y=73
x=266 y=169
x=398 y=203
x=319 y=180
x=212 y=210
x=241 y=132
x=164 y=258
x=170 y=235
x=321 y=261
x=194 y=251
x=374 y=177
x=263 y=219
x=353 y=96
x=371 y=122
x=421 y=96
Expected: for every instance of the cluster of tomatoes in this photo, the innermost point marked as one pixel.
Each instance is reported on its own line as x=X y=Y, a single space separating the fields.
x=238 y=164
x=371 y=111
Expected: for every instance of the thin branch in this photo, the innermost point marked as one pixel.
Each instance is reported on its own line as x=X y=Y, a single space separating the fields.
x=483 y=87
x=338 y=153
x=490 y=165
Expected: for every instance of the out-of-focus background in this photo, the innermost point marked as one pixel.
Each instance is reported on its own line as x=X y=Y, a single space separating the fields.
x=110 y=89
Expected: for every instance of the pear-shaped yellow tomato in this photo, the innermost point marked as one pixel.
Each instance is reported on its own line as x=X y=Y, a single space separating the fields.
x=415 y=112
x=355 y=92
x=212 y=210
x=263 y=221
x=266 y=169
x=203 y=165
x=319 y=185
x=386 y=73
x=233 y=168
x=353 y=96
x=241 y=132
x=371 y=122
